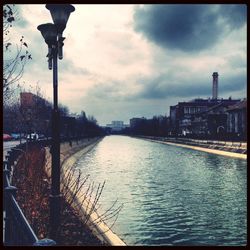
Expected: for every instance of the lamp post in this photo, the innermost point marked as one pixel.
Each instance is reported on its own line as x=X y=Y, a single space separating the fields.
x=52 y=34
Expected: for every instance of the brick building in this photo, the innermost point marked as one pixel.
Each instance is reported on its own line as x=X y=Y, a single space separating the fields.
x=184 y=114
x=237 y=119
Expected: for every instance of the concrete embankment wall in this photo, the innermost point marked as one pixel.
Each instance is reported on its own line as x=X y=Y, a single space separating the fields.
x=69 y=156
x=213 y=147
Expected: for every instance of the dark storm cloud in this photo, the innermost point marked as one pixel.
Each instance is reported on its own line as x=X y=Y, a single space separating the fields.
x=233 y=83
x=187 y=27
x=160 y=88
x=234 y=15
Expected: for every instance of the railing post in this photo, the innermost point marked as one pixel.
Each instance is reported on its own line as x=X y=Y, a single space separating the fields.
x=8 y=192
x=5 y=164
x=13 y=153
x=8 y=162
x=7 y=157
x=6 y=174
x=10 y=157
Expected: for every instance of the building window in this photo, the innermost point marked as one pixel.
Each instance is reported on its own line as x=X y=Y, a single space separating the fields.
x=236 y=122
x=186 y=111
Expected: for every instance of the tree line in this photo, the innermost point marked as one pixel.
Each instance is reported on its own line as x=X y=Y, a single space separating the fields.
x=17 y=119
x=37 y=119
x=156 y=126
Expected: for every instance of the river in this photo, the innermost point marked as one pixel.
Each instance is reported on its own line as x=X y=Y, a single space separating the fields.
x=170 y=195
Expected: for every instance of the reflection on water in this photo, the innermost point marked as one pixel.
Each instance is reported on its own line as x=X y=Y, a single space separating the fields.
x=171 y=195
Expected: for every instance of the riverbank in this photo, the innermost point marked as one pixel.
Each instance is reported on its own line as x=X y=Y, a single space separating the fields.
x=86 y=212
x=229 y=149
x=85 y=207
x=32 y=179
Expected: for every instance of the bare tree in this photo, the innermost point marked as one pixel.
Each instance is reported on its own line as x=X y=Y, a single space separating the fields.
x=34 y=117
x=15 y=56
x=80 y=192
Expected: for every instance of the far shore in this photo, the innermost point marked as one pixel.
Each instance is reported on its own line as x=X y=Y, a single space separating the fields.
x=208 y=150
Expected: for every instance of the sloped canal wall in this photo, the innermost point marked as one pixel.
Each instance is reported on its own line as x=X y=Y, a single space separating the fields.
x=69 y=154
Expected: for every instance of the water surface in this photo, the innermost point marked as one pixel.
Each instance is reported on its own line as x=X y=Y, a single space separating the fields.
x=170 y=195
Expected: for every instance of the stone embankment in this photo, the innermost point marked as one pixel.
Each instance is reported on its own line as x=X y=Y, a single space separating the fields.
x=231 y=149
x=70 y=153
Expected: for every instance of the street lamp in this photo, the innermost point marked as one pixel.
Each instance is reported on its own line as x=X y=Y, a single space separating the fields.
x=52 y=34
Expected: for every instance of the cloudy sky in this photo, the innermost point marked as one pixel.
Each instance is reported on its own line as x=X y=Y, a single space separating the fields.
x=124 y=61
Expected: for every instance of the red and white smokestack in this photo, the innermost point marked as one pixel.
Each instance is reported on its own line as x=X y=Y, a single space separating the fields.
x=215 y=85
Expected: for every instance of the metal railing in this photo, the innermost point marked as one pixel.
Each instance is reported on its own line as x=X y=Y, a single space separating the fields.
x=17 y=231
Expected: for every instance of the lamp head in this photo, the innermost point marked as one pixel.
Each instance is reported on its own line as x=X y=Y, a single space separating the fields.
x=60 y=14
x=49 y=33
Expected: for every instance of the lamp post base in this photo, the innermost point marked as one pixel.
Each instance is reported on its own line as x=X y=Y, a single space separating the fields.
x=55 y=211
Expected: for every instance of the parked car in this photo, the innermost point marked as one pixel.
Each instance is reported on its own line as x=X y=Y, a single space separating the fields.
x=7 y=137
x=15 y=136
x=32 y=137
x=41 y=136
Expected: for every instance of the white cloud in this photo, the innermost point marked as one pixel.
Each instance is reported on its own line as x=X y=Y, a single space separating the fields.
x=106 y=63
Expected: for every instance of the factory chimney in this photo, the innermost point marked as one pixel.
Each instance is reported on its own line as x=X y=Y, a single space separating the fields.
x=215 y=85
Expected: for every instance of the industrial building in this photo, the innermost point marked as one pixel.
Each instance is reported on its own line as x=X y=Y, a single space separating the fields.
x=195 y=116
